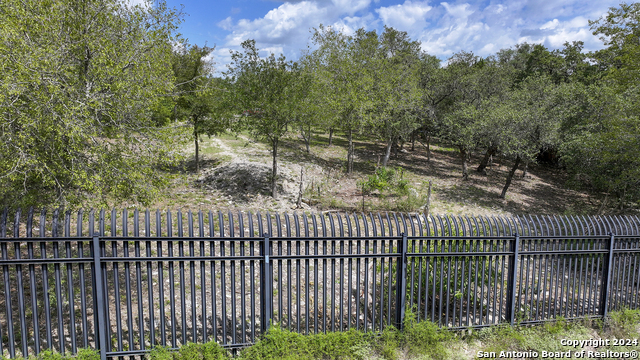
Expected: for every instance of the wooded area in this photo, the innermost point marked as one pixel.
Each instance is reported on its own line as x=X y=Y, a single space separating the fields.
x=98 y=98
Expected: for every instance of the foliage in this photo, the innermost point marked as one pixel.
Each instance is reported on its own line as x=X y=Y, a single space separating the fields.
x=624 y=324
x=191 y=351
x=48 y=354
x=382 y=179
x=78 y=83
x=282 y=344
x=599 y=145
x=425 y=337
x=266 y=92
x=340 y=62
x=619 y=29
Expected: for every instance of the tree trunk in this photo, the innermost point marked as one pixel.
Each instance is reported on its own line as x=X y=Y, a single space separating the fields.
x=526 y=167
x=195 y=136
x=274 y=173
x=427 y=206
x=350 y=152
x=509 y=177
x=387 y=154
x=428 y=147
x=307 y=137
x=330 y=136
x=465 y=167
x=413 y=141
x=487 y=155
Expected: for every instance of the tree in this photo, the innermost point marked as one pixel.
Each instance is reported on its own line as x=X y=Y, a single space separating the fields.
x=78 y=81
x=523 y=121
x=340 y=61
x=471 y=81
x=619 y=29
x=310 y=111
x=600 y=146
x=194 y=91
x=395 y=93
x=265 y=91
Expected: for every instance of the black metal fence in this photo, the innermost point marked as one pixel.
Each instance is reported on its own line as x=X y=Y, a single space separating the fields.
x=140 y=279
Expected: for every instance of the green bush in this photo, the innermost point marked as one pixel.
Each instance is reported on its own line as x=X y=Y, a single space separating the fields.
x=424 y=337
x=381 y=180
x=283 y=344
x=191 y=351
x=622 y=324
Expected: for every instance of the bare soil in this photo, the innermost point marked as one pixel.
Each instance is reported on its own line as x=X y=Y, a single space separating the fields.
x=235 y=172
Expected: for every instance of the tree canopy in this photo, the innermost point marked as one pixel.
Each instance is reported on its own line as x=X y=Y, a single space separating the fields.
x=78 y=80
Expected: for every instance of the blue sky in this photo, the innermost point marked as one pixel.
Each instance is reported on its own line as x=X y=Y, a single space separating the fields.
x=443 y=28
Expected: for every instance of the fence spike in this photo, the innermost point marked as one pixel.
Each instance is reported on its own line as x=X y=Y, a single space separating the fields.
x=16 y=224
x=373 y=225
x=365 y=225
x=296 y=221
x=420 y=228
x=333 y=227
x=30 y=222
x=125 y=228
x=250 y=221
x=324 y=225
x=3 y=223
x=113 y=222
x=54 y=223
x=260 y=224
x=305 y=220
x=382 y=232
x=314 y=221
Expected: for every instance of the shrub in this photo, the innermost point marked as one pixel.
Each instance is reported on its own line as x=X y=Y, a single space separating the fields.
x=425 y=338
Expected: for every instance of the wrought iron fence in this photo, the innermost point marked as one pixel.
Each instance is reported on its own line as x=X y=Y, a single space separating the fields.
x=132 y=280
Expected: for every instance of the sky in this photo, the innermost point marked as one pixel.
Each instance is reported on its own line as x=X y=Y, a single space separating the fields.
x=443 y=28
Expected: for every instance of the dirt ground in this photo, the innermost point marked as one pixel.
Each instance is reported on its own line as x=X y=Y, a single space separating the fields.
x=235 y=174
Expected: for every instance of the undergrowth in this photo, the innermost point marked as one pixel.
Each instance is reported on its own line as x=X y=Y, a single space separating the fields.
x=418 y=340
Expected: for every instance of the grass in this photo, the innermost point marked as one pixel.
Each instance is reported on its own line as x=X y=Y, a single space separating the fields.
x=424 y=340
x=418 y=340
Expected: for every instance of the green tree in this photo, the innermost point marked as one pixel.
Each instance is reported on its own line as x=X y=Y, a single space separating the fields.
x=471 y=81
x=265 y=91
x=78 y=80
x=522 y=121
x=600 y=146
x=395 y=95
x=340 y=61
x=619 y=29
x=195 y=92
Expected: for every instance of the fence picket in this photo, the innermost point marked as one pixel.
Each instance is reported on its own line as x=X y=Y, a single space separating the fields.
x=453 y=268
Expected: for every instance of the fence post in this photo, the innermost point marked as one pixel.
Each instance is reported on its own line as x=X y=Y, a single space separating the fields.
x=100 y=327
x=401 y=282
x=511 y=286
x=608 y=267
x=265 y=285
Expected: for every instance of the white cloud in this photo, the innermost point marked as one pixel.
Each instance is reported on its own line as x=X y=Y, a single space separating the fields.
x=410 y=16
x=457 y=11
x=443 y=27
x=551 y=24
x=226 y=24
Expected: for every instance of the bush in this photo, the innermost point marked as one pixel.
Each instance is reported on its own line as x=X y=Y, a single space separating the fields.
x=424 y=337
x=622 y=324
x=381 y=180
x=191 y=351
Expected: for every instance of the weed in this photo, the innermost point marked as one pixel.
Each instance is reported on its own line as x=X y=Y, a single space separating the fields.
x=621 y=324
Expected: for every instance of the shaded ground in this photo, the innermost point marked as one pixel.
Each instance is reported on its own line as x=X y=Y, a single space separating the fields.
x=236 y=169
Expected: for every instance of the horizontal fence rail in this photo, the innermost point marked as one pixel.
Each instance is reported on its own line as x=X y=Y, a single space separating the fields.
x=126 y=281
